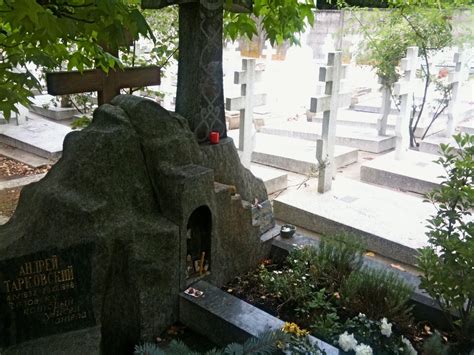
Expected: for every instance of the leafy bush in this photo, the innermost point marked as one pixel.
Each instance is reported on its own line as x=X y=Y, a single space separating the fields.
x=448 y=262
x=310 y=268
x=334 y=261
x=81 y=122
x=378 y=294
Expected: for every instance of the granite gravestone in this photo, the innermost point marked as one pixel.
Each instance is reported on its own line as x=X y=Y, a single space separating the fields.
x=95 y=255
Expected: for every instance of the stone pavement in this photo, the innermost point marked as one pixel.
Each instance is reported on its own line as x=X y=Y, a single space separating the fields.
x=37 y=136
x=416 y=172
x=292 y=154
x=274 y=179
x=392 y=224
x=362 y=138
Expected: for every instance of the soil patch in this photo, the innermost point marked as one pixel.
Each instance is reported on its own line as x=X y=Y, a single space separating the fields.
x=10 y=169
x=9 y=200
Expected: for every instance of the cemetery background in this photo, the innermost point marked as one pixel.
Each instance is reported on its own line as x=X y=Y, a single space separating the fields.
x=286 y=109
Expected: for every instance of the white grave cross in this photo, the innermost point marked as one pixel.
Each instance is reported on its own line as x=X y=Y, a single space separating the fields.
x=455 y=79
x=329 y=104
x=246 y=78
x=385 y=109
x=405 y=87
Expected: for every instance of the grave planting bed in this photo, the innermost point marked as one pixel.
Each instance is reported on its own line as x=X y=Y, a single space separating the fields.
x=10 y=169
x=321 y=314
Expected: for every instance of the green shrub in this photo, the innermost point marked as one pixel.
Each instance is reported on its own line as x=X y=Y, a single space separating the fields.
x=335 y=260
x=81 y=122
x=377 y=294
x=448 y=262
x=310 y=268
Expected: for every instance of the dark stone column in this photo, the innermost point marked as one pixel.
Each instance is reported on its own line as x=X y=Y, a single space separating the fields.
x=200 y=94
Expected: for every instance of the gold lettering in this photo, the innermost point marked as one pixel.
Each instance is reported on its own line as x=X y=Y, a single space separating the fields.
x=71 y=270
x=36 y=280
x=14 y=286
x=7 y=285
x=54 y=261
x=42 y=265
x=21 y=282
x=44 y=281
x=27 y=282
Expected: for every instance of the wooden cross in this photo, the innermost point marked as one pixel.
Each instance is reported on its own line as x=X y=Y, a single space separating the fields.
x=246 y=79
x=200 y=93
x=405 y=87
x=329 y=104
x=455 y=79
x=107 y=85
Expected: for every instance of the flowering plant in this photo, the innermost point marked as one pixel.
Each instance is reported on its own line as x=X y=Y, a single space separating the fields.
x=299 y=342
x=363 y=334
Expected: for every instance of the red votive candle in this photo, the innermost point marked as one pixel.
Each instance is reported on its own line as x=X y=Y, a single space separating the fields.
x=214 y=137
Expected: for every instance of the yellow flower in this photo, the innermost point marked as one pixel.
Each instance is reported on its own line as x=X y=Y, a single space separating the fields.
x=293 y=328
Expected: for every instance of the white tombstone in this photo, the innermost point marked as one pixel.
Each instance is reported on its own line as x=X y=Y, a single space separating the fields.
x=329 y=105
x=455 y=79
x=246 y=103
x=405 y=87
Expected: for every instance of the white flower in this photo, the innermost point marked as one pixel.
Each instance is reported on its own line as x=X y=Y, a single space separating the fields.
x=361 y=315
x=411 y=350
x=347 y=342
x=385 y=327
x=363 y=349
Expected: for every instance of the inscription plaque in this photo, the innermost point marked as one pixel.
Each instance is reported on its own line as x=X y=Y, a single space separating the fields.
x=45 y=293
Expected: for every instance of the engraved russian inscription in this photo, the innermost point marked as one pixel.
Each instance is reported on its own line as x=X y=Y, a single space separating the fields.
x=45 y=293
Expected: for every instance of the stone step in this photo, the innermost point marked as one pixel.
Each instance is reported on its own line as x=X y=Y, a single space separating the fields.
x=467 y=127
x=274 y=180
x=416 y=172
x=358 y=115
x=391 y=223
x=365 y=139
x=431 y=144
x=352 y=118
x=19 y=182
x=372 y=105
x=369 y=120
x=27 y=158
x=293 y=154
x=37 y=136
x=43 y=106
x=225 y=319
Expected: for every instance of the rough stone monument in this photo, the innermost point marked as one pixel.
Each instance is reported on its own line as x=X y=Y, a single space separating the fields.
x=96 y=253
